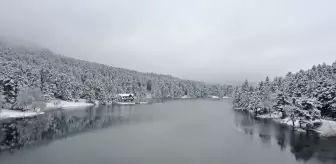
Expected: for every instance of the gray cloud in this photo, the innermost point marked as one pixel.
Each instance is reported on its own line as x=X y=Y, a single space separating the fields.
x=209 y=40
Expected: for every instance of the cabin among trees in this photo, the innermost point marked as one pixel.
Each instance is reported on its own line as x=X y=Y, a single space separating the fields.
x=125 y=97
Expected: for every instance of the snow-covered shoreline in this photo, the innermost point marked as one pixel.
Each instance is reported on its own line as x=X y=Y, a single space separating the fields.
x=185 y=97
x=56 y=104
x=7 y=113
x=326 y=129
x=51 y=105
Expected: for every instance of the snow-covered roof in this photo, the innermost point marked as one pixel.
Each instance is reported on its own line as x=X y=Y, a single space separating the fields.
x=125 y=94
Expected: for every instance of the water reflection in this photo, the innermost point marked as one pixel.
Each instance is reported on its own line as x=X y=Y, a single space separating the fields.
x=43 y=129
x=303 y=146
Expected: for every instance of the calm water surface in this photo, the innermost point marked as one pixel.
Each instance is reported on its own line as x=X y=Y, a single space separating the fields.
x=180 y=132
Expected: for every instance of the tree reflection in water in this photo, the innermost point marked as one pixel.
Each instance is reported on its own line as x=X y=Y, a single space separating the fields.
x=42 y=129
x=303 y=146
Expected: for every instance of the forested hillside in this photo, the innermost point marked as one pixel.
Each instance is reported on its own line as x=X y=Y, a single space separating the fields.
x=305 y=95
x=32 y=72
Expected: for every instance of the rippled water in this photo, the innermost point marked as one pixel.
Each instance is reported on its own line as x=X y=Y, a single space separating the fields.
x=191 y=131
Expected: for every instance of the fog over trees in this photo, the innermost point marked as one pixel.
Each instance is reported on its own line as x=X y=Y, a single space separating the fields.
x=28 y=75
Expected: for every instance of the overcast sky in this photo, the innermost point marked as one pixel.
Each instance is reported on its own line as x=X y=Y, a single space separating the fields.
x=217 y=41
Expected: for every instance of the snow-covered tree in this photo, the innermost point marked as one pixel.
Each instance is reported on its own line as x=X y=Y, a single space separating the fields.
x=2 y=101
x=10 y=90
x=281 y=104
x=39 y=103
x=30 y=99
x=326 y=94
x=69 y=79
x=306 y=95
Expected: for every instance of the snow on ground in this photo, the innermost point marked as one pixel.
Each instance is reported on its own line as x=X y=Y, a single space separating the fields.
x=274 y=115
x=185 y=97
x=124 y=103
x=66 y=104
x=327 y=129
x=287 y=121
x=6 y=113
x=109 y=103
x=214 y=97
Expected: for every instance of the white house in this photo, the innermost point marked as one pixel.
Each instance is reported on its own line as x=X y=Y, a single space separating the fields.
x=214 y=97
x=126 y=97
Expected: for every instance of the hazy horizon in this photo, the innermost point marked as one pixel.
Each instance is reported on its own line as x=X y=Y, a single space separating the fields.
x=211 y=41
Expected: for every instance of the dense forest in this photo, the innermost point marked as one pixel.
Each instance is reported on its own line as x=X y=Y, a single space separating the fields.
x=38 y=74
x=305 y=96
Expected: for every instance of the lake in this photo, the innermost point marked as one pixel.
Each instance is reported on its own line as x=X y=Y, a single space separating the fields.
x=179 y=132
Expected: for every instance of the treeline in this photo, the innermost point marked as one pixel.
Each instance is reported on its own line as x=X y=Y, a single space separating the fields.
x=305 y=95
x=59 y=77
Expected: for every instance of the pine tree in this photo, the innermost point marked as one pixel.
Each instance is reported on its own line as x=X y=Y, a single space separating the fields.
x=281 y=103
x=99 y=92
x=39 y=103
x=326 y=95
x=2 y=101
x=64 y=88
x=10 y=90
x=29 y=99
x=245 y=98
x=88 y=93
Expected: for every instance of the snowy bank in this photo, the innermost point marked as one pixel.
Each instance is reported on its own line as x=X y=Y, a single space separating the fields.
x=6 y=113
x=66 y=104
x=296 y=123
x=288 y=122
x=54 y=104
x=185 y=97
x=214 y=97
x=327 y=129
x=273 y=115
